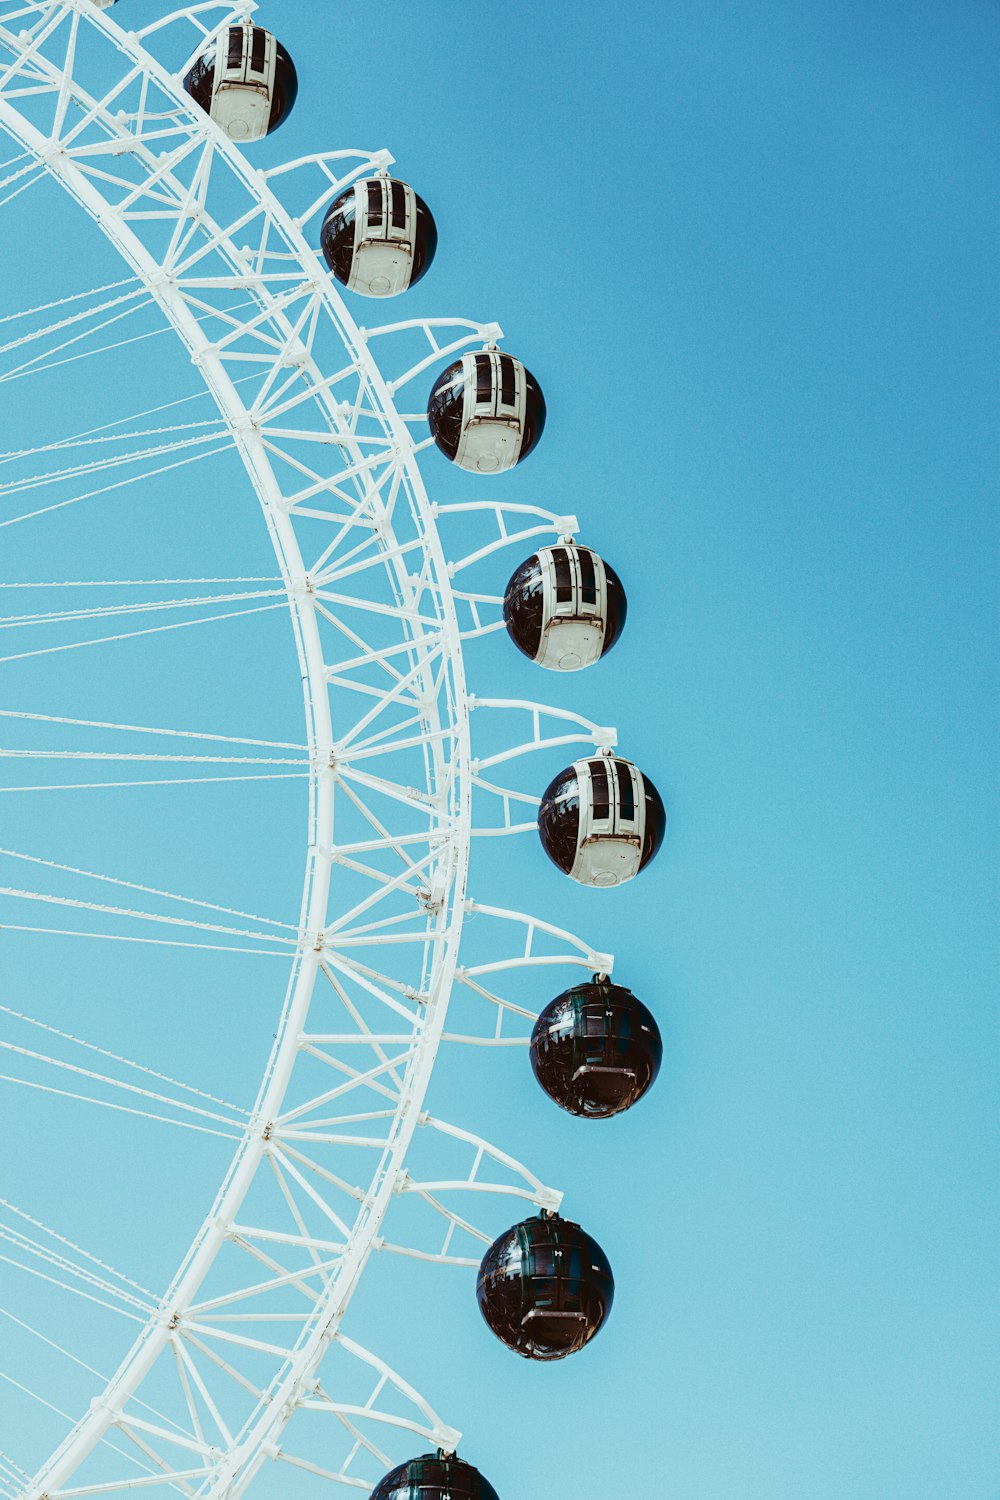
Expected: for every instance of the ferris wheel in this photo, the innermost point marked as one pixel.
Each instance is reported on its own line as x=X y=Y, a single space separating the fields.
x=414 y=780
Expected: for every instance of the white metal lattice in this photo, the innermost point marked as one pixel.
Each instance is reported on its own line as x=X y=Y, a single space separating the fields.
x=235 y=1362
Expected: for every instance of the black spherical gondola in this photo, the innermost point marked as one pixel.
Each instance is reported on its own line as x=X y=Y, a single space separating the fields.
x=596 y=1049
x=245 y=80
x=565 y=607
x=435 y=1476
x=545 y=1287
x=378 y=237
x=601 y=821
x=486 y=412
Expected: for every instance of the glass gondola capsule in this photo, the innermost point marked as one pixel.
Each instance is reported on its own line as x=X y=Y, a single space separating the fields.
x=545 y=1287
x=245 y=80
x=596 y=1049
x=378 y=237
x=564 y=607
x=486 y=412
x=435 y=1476
x=601 y=820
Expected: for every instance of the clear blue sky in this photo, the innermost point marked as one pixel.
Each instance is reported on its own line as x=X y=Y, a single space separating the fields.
x=749 y=252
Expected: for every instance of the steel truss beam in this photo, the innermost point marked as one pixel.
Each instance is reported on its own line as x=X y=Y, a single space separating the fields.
x=233 y=1351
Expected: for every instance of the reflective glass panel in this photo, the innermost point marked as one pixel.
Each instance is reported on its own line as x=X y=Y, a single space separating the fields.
x=588 y=576
x=374 y=204
x=484 y=378
x=601 y=790
x=564 y=575
x=507 y=380
x=625 y=789
x=398 y=206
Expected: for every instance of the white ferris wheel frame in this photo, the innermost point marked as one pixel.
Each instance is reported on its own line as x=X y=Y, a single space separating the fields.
x=147 y=166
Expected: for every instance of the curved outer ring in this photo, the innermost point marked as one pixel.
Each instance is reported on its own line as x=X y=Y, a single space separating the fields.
x=454 y=850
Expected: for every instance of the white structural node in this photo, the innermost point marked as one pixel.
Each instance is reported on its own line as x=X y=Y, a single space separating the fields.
x=244 y=1361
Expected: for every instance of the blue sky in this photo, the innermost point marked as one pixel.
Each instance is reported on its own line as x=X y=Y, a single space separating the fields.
x=749 y=252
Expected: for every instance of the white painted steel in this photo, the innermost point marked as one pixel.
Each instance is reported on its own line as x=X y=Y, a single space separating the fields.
x=241 y=93
x=316 y=896
x=384 y=255
x=378 y=465
x=572 y=630
x=609 y=843
x=492 y=429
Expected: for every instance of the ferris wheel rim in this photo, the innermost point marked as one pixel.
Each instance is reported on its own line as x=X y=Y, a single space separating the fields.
x=444 y=823
x=248 y=1157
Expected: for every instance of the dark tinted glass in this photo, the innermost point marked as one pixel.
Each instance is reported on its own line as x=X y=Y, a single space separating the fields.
x=426 y=240
x=235 y=55
x=337 y=235
x=398 y=195
x=617 y=608
x=543 y=1263
x=545 y=1287
x=596 y=1049
x=656 y=822
x=445 y=408
x=200 y=80
x=588 y=577
x=507 y=380
x=434 y=1477
x=626 y=791
x=257 y=49
x=484 y=378
x=600 y=792
x=374 y=203
x=523 y=602
x=286 y=87
x=534 y=414
x=559 y=819
x=564 y=575
x=593 y=1024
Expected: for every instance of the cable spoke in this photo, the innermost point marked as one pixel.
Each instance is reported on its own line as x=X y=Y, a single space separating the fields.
x=129 y=635
x=117 y=1083
x=146 y=606
x=145 y=890
x=89 y=786
x=123 y=1109
x=184 y=734
x=113 y=937
x=108 y=489
x=125 y=1061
